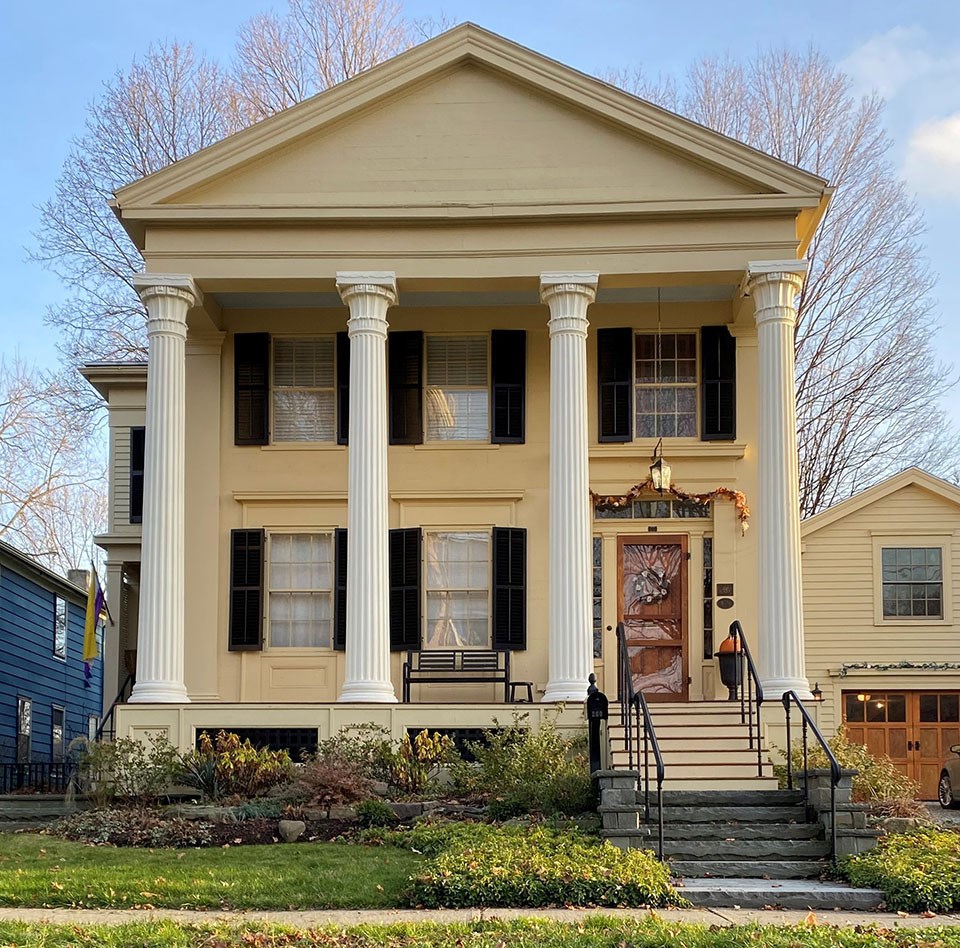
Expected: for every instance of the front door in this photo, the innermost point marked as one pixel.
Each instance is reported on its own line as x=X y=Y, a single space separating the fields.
x=652 y=574
x=915 y=729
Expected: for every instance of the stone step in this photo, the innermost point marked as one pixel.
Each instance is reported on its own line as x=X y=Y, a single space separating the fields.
x=742 y=815
x=731 y=850
x=748 y=869
x=721 y=797
x=725 y=832
x=783 y=893
x=731 y=782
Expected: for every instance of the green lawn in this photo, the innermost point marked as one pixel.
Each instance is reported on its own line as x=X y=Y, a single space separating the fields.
x=45 y=871
x=592 y=932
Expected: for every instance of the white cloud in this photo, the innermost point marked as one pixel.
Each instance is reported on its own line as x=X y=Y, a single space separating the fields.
x=932 y=163
x=887 y=62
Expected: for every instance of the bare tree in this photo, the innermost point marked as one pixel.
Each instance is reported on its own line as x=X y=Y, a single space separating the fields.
x=52 y=477
x=868 y=377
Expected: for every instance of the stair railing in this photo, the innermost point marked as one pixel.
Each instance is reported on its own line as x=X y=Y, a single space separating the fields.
x=751 y=691
x=636 y=720
x=807 y=724
x=108 y=718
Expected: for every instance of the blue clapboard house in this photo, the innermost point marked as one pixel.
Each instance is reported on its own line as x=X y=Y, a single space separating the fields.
x=46 y=699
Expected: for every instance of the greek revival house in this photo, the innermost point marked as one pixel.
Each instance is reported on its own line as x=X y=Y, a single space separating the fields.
x=413 y=345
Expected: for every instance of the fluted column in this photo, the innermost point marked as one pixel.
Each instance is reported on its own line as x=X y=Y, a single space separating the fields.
x=571 y=564
x=367 y=677
x=774 y=286
x=167 y=298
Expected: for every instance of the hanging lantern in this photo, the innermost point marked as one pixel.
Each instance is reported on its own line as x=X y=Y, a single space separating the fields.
x=817 y=693
x=659 y=469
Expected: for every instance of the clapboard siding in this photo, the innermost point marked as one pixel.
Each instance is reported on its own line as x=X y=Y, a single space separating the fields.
x=120 y=480
x=29 y=669
x=840 y=589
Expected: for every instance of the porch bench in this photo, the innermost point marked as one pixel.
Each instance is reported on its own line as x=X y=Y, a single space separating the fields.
x=452 y=666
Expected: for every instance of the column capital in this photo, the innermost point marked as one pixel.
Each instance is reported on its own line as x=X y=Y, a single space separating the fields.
x=382 y=283
x=774 y=284
x=581 y=282
x=568 y=295
x=176 y=285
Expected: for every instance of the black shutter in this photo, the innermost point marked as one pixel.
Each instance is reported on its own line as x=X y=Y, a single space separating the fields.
x=405 y=359
x=251 y=382
x=509 y=588
x=246 y=590
x=137 y=453
x=718 y=358
x=405 y=557
x=508 y=357
x=615 y=380
x=340 y=590
x=343 y=387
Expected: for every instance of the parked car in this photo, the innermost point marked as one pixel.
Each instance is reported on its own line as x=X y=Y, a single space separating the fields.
x=949 y=786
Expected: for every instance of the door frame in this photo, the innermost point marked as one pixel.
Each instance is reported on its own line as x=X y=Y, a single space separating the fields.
x=681 y=540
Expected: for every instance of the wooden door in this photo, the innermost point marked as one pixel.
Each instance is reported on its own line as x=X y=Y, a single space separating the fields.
x=915 y=729
x=652 y=583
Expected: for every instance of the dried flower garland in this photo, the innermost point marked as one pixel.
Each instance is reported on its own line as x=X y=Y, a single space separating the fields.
x=618 y=502
x=895 y=666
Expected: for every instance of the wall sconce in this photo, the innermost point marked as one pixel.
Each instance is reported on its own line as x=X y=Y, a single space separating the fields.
x=817 y=693
x=659 y=469
x=863 y=697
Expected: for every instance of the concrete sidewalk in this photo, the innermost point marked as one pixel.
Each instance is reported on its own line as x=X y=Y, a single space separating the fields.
x=348 y=918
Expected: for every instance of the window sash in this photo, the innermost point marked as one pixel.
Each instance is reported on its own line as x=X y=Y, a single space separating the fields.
x=912 y=582
x=60 y=628
x=304 y=392
x=300 y=590
x=457 y=388
x=58 y=718
x=666 y=381
x=457 y=589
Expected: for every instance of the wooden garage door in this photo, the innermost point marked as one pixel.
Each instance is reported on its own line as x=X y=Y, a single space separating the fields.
x=913 y=728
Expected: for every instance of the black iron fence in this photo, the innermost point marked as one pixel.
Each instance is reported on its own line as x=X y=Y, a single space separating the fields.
x=36 y=777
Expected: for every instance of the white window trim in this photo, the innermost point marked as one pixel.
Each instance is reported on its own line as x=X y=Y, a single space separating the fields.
x=292 y=650
x=903 y=541
x=301 y=445
x=696 y=385
x=457 y=442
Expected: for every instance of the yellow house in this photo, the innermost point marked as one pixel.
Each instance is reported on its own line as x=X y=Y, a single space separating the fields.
x=413 y=344
x=881 y=596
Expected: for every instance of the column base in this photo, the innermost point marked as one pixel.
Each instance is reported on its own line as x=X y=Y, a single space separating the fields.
x=774 y=688
x=159 y=692
x=364 y=691
x=565 y=689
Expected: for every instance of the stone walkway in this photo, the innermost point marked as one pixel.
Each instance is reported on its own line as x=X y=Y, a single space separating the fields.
x=346 y=918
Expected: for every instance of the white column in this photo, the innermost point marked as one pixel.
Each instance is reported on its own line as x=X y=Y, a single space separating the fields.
x=367 y=677
x=774 y=286
x=571 y=562
x=160 y=642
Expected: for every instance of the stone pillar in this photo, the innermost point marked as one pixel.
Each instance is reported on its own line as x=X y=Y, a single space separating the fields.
x=773 y=286
x=571 y=530
x=367 y=676
x=167 y=297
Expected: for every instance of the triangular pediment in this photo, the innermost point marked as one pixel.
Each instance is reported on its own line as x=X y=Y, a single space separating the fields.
x=465 y=124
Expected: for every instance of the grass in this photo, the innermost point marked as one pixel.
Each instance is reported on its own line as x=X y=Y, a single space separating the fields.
x=45 y=871
x=591 y=932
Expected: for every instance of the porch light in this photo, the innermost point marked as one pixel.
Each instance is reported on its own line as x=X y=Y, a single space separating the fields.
x=817 y=693
x=659 y=469
x=863 y=697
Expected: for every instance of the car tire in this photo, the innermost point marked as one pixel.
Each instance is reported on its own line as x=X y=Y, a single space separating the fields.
x=945 y=793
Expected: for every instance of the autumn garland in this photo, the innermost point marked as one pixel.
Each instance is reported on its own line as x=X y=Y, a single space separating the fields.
x=615 y=502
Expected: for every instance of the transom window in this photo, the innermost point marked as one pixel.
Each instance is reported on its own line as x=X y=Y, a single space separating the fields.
x=666 y=382
x=60 y=628
x=912 y=582
x=301 y=590
x=457 y=590
x=304 y=393
x=457 y=389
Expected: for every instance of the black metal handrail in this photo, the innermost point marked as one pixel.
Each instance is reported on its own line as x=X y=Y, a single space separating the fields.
x=751 y=691
x=808 y=724
x=635 y=716
x=121 y=697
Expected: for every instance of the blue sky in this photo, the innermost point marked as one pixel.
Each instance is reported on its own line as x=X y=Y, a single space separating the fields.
x=54 y=57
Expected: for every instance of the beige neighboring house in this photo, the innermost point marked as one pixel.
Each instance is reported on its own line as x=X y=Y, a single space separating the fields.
x=398 y=333
x=881 y=597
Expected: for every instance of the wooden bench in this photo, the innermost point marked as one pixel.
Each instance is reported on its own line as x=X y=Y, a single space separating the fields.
x=453 y=666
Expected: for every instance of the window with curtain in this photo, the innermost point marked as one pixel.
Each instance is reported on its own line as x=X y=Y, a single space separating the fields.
x=304 y=391
x=666 y=380
x=60 y=628
x=301 y=590
x=457 y=589
x=457 y=388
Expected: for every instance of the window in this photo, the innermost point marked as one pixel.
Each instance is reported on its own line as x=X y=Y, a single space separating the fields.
x=708 y=597
x=24 y=729
x=60 y=628
x=137 y=455
x=666 y=383
x=301 y=590
x=93 y=722
x=656 y=510
x=304 y=390
x=912 y=582
x=458 y=590
x=597 y=597
x=457 y=389
x=57 y=718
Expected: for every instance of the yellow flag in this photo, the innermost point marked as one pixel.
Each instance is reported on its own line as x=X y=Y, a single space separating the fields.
x=95 y=610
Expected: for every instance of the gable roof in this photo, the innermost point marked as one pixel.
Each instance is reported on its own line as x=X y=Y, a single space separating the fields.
x=911 y=477
x=777 y=183
x=26 y=565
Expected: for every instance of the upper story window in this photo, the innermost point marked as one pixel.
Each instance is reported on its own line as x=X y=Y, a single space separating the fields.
x=457 y=388
x=458 y=589
x=912 y=582
x=666 y=385
x=304 y=392
x=60 y=628
x=301 y=590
